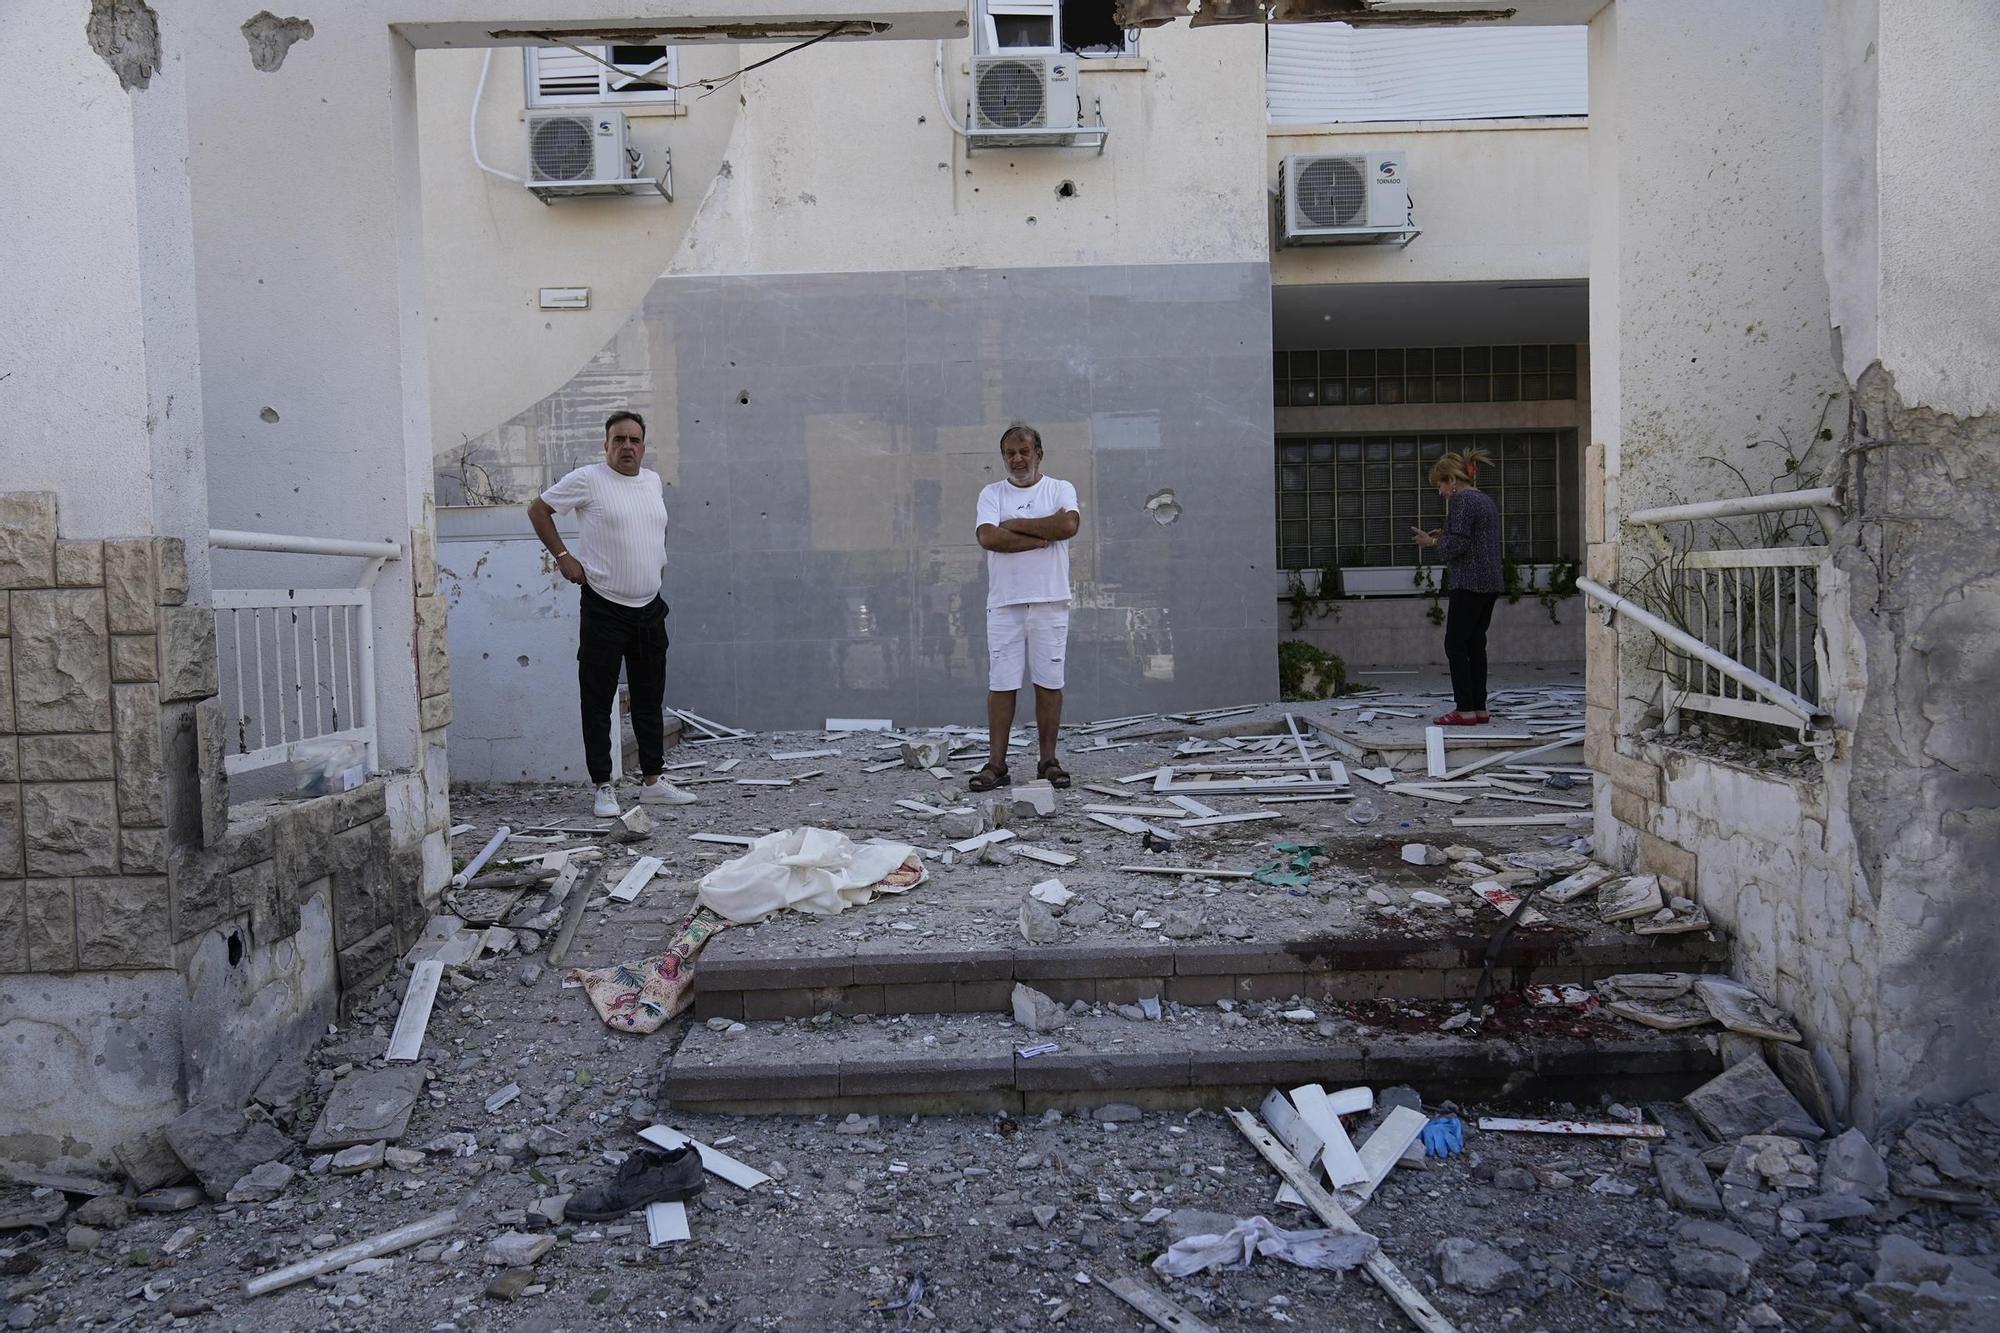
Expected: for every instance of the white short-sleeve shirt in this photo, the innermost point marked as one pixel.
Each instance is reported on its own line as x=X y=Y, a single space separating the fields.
x=623 y=542
x=1013 y=577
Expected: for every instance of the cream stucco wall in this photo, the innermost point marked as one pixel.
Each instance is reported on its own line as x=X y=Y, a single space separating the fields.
x=97 y=350
x=1495 y=200
x=836 y=159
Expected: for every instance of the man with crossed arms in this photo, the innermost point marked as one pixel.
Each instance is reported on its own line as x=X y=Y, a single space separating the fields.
x=1025 y=523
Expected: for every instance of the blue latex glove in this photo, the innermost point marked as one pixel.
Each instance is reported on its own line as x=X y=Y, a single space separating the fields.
x=1444 y=1136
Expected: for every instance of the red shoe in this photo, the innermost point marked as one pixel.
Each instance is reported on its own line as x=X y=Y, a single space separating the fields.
x=1457 y=719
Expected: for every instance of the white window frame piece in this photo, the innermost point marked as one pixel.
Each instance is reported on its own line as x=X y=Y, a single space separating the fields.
x=987 y=37
x=607 y=93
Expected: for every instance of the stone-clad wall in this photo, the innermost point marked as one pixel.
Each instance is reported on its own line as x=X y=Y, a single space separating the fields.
x=117 y=847
x=106 y=685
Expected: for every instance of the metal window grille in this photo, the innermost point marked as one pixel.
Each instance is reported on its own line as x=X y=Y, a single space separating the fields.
x=1350 y=500
x=1366 y=376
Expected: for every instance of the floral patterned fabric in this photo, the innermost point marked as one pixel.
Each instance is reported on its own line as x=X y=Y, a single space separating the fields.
x=639 y=997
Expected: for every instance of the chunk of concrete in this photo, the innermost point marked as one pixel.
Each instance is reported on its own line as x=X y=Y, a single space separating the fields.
x=361 y=1157
x=1628 y=899
x=171 y=1199
x=1038 y=923
x=1036 y=798
x=1474 y=1266
x=107 y=1212
x=149 y=1161
x=221 y=1145
x=516 y=1249
x=1741 y=1009
x=1034 y=1010
x=1747 y=1098
x=1685 y=1181
x=367 y=1106
x=1852 y=1166
x=261 y=1185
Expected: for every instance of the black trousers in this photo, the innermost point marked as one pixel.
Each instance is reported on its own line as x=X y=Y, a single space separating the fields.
x=635 y=638
x=1465 y=622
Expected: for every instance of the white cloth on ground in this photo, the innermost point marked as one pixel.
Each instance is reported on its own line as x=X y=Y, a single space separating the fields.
x=1251 y=1236
x=1026 y=576
x=807 y=869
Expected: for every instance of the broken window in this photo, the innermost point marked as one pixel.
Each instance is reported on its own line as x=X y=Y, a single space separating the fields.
x=1351 y=500
x=1085 y=27
x=559 y=76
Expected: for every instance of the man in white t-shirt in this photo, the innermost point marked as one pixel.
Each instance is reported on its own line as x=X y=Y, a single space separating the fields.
x=1025 y=523
x=620 y=555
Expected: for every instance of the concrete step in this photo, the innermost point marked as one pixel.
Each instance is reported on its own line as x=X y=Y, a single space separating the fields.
x=745 y=977
x=1191 y=1057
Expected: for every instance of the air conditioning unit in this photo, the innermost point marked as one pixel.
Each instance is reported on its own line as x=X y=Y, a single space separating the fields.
x=1345 y=199
x=577 y=146
x=1023 y=99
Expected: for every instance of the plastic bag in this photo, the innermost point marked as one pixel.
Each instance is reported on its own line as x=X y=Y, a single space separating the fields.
x=321 y=767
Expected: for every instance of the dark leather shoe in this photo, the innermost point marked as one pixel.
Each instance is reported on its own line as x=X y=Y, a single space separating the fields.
x=647 y=1176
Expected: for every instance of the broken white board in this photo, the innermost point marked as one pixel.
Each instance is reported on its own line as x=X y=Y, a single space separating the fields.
x=1212 y=820
x=726 y=839
x=983 y=840
x=1434 y=751
x=727 y=764
x=1193 y=807
x=666 y=1223
x=1381 y=777
x=1383 y=1149
x=1297 y=1136
x=637 y=878
x=1578 y=884
x=1505 y=902
x=407 y=1041
x=1337 y=1155
x=805 y=754
x=713 y=1160
x=1042 y=854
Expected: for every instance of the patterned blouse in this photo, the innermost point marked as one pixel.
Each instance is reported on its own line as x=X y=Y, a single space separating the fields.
x=1470 y=547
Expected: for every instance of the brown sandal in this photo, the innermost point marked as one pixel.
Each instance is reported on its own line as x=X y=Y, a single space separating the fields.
x=1052 y=771
x=987 y=778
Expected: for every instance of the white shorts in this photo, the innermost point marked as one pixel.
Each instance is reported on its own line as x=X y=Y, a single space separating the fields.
x=1026 y=632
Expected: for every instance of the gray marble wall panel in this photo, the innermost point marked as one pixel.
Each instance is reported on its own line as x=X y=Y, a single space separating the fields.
x=825 y=437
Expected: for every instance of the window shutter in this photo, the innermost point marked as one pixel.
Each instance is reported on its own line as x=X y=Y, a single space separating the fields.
x=563 y=75
x=1325 y=72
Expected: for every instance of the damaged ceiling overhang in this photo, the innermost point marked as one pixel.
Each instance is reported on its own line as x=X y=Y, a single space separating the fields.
x=1360 y=13
x=714 y=32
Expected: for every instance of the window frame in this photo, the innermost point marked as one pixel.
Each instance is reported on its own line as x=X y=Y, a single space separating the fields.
x=986 y=38
x=1411 y=501
x=605 y=95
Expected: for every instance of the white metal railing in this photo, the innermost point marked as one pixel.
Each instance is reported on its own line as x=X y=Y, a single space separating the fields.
x=297 y=664
x=1742 y=625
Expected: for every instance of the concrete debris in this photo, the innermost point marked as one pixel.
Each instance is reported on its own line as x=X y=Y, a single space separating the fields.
x=1036 y=1011
x=1474 y=1266
x=1649 y=985
x=1782 y=1161
x=1038 y=924
x=633 y=825
x=1629 y=899
x=1923 y=1291
x=1739 y=1009
x=35 y=1212
x=515 y=1249
x=261 y=1185
x=149 y=1161
x=355 y=1160
x=1031 y=799
x=1685 y=1181
x=171 y=1199
x=1747 y=1098
x=1421 y=854
x=366 y=1106
x=1852 y=1166
x=107 y=1212
x=1664 y=1015
x=221 y=1144
x=1051 y=892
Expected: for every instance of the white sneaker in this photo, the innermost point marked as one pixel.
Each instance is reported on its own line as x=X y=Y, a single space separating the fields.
x=606 y=804
x=662 y=792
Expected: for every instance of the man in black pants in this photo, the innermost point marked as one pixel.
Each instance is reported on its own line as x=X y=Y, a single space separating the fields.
x=620 y=555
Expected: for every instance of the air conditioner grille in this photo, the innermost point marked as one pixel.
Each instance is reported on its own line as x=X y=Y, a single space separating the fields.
x=1010 y=95
x=561 y=149
x=1332 y=192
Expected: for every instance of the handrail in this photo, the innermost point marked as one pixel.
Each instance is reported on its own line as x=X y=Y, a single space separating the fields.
x=1820 y=497
x=1809 y=714
x=230 y=539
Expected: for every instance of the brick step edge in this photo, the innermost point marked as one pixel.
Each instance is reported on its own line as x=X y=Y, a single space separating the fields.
x=974 y=981
x=1440 y=1065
